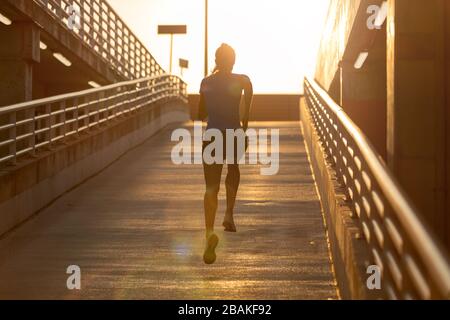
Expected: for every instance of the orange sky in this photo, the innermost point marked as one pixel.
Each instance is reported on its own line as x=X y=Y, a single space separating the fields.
x=276 y=40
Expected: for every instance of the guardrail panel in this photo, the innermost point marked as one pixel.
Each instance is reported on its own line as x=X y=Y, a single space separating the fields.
x=35 y=125
x=413 y=263
x=97 y=24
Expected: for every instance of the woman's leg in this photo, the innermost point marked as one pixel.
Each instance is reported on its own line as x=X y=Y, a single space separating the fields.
x=212 y=174
x=232 y=186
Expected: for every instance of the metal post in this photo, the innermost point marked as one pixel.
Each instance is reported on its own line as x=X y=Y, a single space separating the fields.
x=63 y=106
x=76 y=116
x=97 y=109
x=13 y=137
x=206 y=38
x=33 y=137
x=49 y=124
x=171 y=53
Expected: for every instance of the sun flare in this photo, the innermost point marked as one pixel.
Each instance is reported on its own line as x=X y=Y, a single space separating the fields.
x=276 y=41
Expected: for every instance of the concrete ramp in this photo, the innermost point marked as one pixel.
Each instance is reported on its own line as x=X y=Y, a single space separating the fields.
x=136 y=232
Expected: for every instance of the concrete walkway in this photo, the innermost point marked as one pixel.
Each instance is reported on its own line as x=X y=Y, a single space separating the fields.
x=136 y=231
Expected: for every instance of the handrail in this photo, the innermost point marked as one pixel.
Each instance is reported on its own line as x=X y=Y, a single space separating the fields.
x=72 y=95
x=413 y=261
x=101 y=28
x=28 y=127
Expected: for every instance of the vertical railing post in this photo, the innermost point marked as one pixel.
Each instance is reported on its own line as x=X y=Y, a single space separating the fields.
x=106 y=35
x=126 y=41
x=113 y=31
x=82 y=19
x=136 y=97
x=48 y=125
x=32 y=138
x=63 y=119
x=13 y=137
x=109 y=104
x=120 y=45
x=75 y=116
x=85 y=113
x=130 y=103
x=132 y=98
x=98 y=107
x=106 y=21
x=113 y=104
x=89 y=114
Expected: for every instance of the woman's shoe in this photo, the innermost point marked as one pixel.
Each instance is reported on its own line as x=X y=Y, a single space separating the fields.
x=209 y=257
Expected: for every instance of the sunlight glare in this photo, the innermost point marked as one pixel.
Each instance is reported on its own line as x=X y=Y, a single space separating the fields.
x=276 y=41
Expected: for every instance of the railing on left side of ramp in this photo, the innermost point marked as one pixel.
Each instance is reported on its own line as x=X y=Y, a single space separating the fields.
x=28 y=127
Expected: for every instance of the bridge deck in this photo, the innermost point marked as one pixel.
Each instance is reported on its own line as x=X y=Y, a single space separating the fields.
x=136 y=231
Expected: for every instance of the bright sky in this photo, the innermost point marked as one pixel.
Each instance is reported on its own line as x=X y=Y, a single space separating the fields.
x=276 y=41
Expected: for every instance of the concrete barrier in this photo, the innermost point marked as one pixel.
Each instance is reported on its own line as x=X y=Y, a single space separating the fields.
x=266 y=107
x=349 y=251
x=34 y=183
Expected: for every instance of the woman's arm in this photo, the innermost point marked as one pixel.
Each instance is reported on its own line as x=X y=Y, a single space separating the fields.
x=248 y=97
x=202 y=113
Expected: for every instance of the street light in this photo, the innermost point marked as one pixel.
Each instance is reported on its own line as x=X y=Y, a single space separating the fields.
x=206 y=38
x=172 y=29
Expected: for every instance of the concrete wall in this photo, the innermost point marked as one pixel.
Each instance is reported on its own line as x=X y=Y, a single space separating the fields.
x=28 y=73
x=417 y=118
x=339 y=25
x=17 y=59
x=56 y=34
x=34 y=183
x=266 y=107
x=364 y=92
x=360 y=92
x=400 y=97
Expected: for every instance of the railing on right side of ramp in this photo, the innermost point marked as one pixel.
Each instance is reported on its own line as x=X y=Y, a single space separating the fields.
x=413 y=263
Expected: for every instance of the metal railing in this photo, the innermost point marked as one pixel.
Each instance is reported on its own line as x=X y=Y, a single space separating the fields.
x=98 y=26
x=412 y=263
x=26 y=128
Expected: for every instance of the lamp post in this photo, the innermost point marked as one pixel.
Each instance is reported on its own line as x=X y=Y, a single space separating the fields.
x=171 y=30
x=206 y=38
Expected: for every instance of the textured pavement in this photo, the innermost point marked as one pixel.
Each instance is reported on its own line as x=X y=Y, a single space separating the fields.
x=136 y=231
